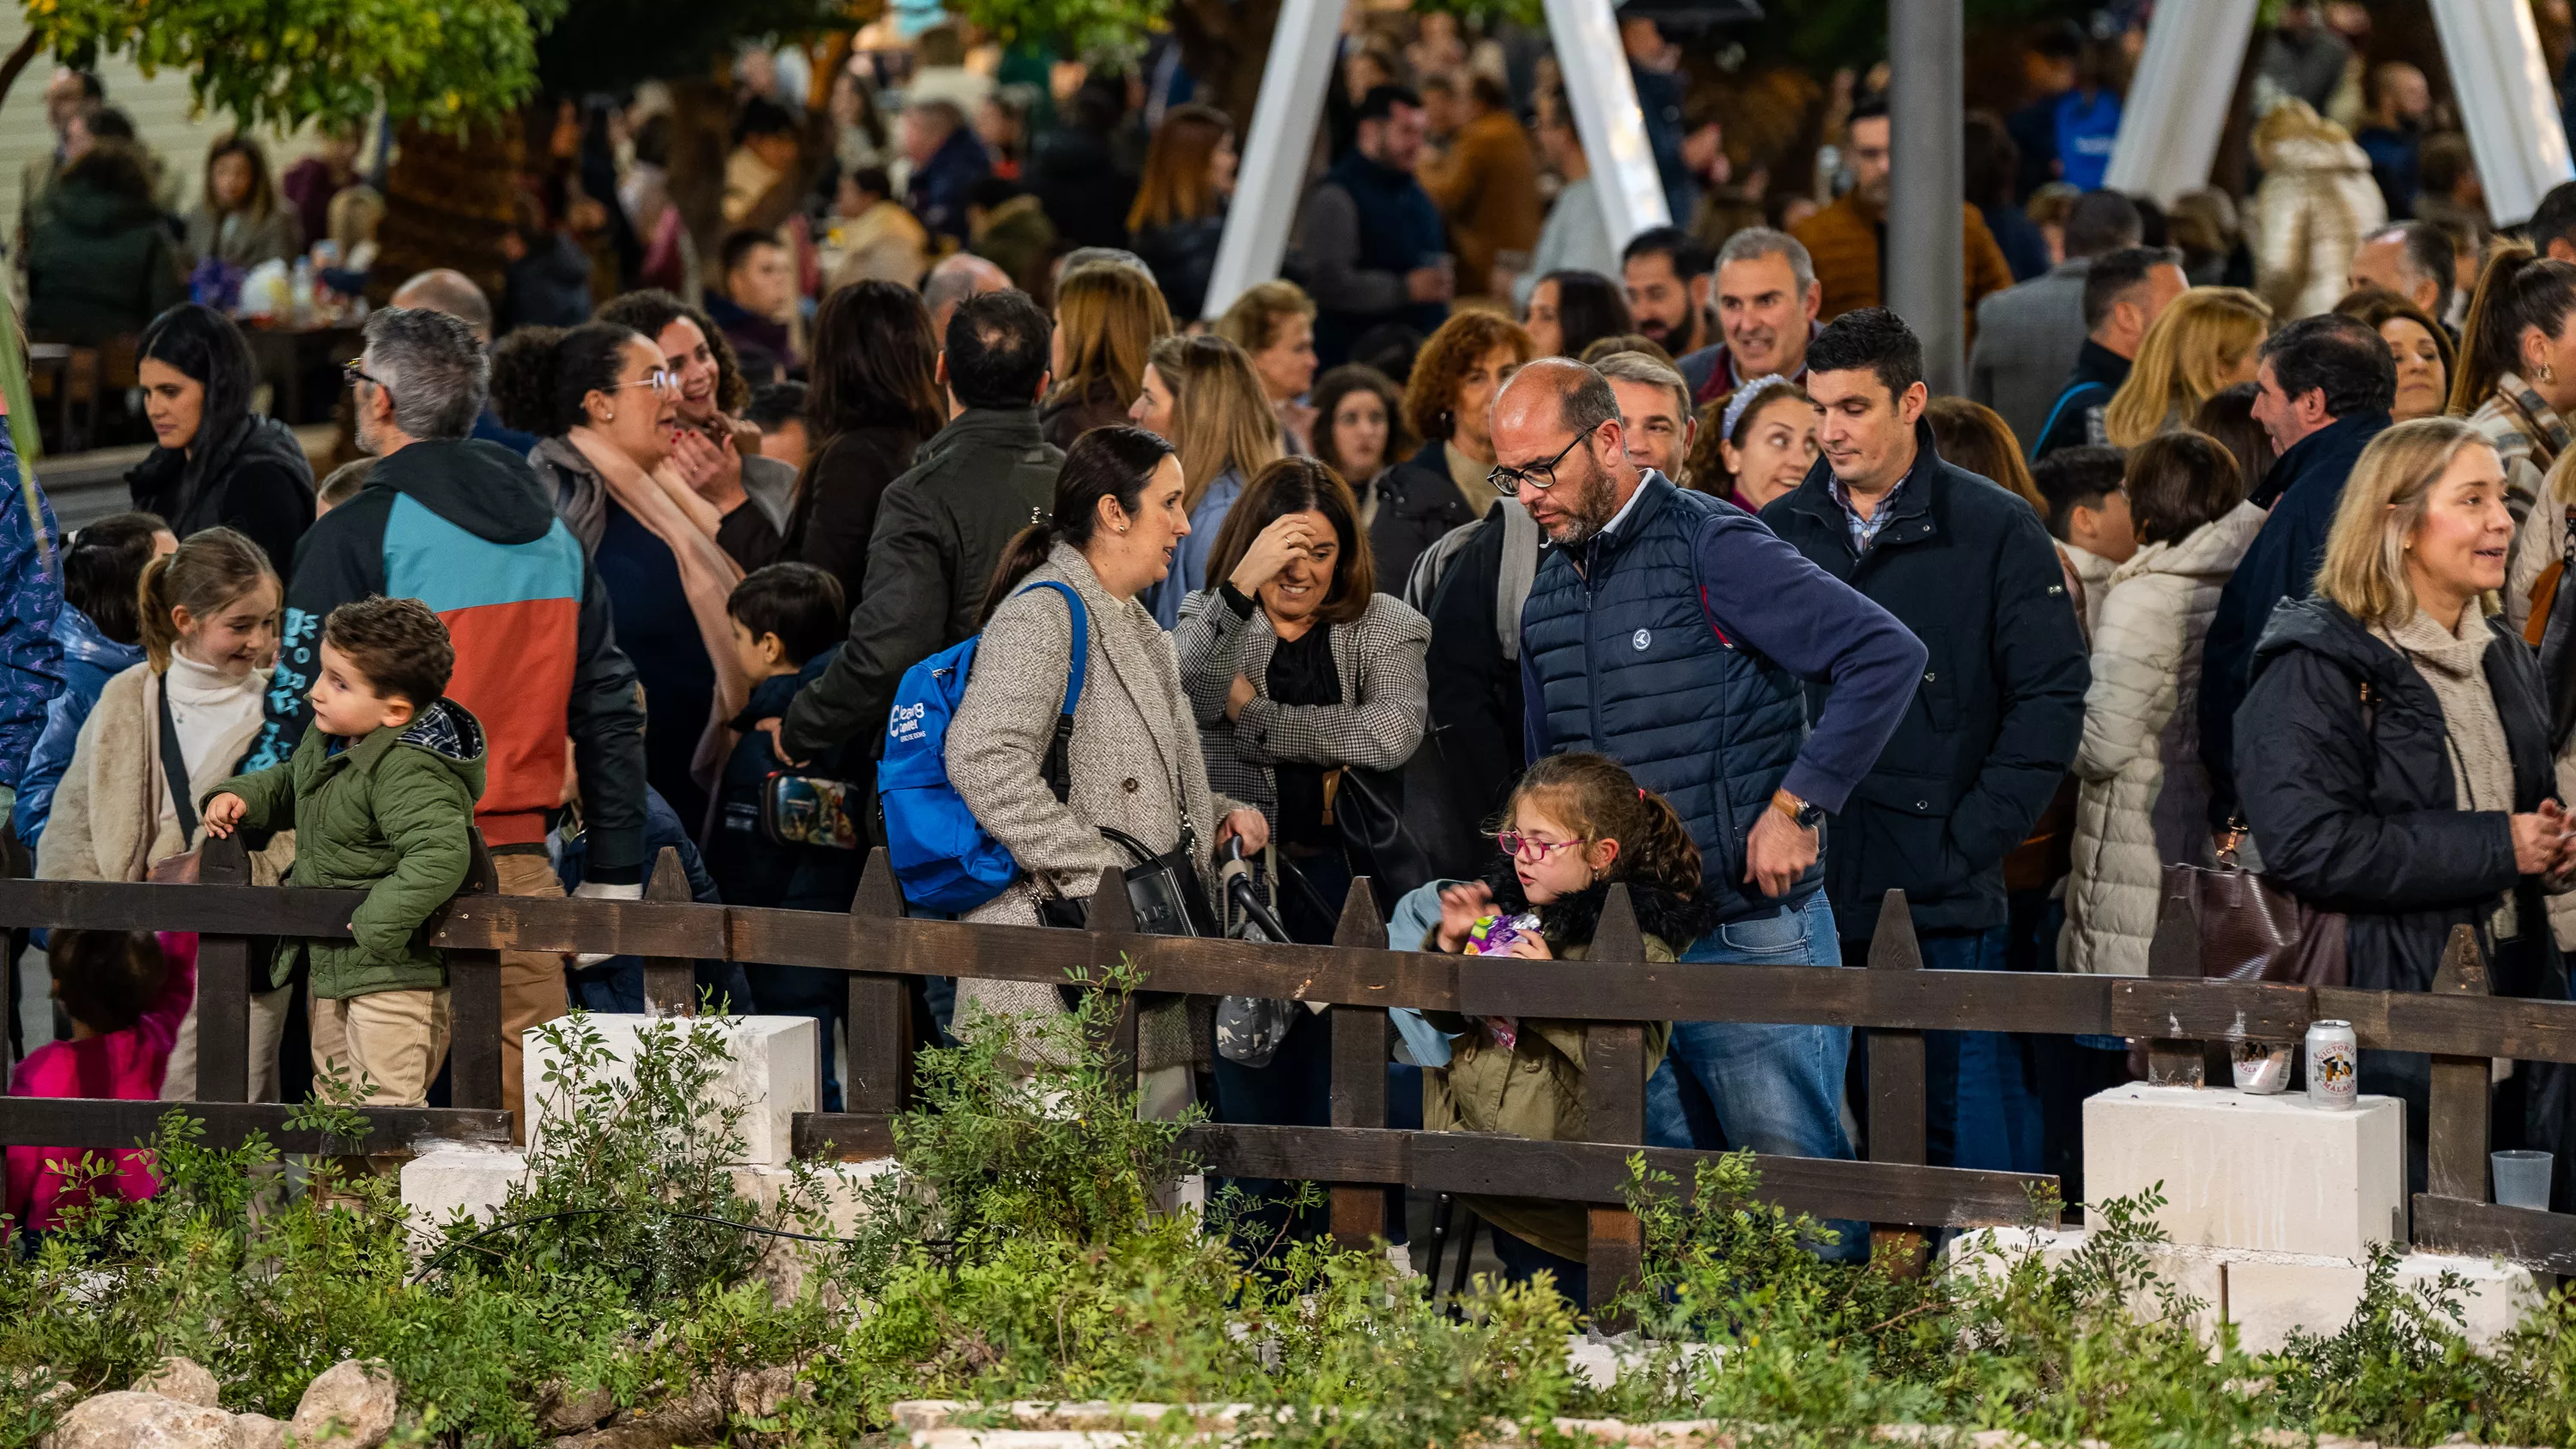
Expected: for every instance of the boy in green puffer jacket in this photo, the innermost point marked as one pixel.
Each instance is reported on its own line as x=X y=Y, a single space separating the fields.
x=380 y=794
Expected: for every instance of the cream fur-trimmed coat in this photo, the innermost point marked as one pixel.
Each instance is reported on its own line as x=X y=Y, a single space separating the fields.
x=2143 y=800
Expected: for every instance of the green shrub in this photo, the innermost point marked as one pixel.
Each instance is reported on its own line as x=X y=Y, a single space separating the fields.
x=1032 y=1246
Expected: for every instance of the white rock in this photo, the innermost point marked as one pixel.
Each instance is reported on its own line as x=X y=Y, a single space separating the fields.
x=258 y=1431
x=359 y=1396
x=181 y=1379
x=128 y=1419
x=2266 y=1173
x=774 y=1073
x=442 y=1183
x=2266 y=1295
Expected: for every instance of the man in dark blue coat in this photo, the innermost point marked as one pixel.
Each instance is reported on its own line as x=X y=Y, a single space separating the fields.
x=1966 y=566
x=1675 y=634
x=2326 y=384
x=1369 y=245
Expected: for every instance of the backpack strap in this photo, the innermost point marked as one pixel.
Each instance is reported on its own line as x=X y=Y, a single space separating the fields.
x=1058 y=768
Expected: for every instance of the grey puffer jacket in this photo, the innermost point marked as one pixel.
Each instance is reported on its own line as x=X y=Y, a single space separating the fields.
x=1134 y=766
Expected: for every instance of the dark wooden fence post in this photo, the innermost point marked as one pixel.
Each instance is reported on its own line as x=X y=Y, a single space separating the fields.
x=1614 y=1108
x=224 y=969
x=670 y=982
x=2455 y=1123
x=1112 y=913
x=474 y=1000
x=881 y=1043
x=2174 y=955
x=1359 y=1070
x=1899 y=1105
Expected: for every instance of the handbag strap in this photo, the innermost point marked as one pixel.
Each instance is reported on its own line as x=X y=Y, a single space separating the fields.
x=174 y=766
x=1057 y=769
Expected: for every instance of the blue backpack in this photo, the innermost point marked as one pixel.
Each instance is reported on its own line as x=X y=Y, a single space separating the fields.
x=943 y=858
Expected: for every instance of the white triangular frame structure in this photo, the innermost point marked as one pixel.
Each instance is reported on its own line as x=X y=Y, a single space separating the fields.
x=1301 y=69
x=2186 y=81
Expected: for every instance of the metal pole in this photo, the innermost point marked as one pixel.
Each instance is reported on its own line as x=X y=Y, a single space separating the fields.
x=1275 y=149
x=1925 y=260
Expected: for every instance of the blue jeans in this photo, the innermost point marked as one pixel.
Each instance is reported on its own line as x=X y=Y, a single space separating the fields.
x=1984 y=1103
x=1774 y=1089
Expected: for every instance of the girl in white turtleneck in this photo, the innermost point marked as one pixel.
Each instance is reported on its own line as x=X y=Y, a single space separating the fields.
x=209 y=619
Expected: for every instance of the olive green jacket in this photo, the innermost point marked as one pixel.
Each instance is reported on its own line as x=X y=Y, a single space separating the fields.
x=390 y=814
x=1533 y=1089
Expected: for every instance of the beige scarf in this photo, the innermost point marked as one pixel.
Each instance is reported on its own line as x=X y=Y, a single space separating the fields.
x=2453 y=665
x=686 y=525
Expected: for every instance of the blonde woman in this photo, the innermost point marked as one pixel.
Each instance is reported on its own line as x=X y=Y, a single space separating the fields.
x=2202 y=344
x=2394 y=759
x=1107 y=318
x=1202 y=396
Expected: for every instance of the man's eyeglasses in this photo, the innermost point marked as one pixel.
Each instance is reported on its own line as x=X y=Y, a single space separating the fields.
x=354 y=371
x=1541 y=476
x=1523 y=847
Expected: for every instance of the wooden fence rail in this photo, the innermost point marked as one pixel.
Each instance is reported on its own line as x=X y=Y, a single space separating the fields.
x=1360 y=977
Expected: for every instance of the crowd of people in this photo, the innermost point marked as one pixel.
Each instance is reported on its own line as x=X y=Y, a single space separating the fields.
x=2225 y=556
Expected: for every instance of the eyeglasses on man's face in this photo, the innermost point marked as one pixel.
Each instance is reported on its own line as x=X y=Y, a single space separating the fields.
x=354 y=371
x=1541 y=476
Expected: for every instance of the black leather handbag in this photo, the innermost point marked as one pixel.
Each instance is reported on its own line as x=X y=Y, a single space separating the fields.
x=1166 y=893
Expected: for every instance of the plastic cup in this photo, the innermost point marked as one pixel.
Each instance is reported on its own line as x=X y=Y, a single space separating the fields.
x=2521 y=1178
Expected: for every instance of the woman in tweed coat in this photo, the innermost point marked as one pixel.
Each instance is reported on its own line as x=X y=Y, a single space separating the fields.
x=1297 y=668
x=1133 y=764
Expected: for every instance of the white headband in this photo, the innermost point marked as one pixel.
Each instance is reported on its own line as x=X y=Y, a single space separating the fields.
x=1743 y=399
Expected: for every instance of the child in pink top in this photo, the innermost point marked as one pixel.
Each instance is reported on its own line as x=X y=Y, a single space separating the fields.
x=126 y=994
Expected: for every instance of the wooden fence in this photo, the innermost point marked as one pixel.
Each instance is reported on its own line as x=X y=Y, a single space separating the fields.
x=1359 y=977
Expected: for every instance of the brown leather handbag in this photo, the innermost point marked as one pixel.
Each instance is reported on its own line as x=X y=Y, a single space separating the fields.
x=2252 y=928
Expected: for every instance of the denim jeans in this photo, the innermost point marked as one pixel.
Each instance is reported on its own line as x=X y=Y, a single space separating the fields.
x=1774 y=1089
x=1984 y=1103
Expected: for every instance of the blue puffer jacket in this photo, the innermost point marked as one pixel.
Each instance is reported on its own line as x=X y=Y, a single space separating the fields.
x=1678 y=649
x=31 y=595
x=90 y=660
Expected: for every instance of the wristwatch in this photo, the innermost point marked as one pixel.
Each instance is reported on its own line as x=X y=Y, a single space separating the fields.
x=1800 y=813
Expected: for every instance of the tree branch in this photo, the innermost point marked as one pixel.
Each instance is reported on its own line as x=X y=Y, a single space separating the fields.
x=18 y=60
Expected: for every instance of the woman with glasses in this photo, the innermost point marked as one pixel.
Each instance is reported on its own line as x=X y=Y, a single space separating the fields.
x=215 y=462
x=1447 y=402
x=603 y=405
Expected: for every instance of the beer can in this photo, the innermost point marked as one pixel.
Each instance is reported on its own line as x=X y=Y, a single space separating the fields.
x=2334 y=1066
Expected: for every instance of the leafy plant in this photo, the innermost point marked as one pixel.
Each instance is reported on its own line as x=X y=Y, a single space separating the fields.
x=285 y=62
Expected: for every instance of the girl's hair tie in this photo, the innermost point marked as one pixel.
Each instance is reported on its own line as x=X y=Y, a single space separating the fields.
x=1641 y=792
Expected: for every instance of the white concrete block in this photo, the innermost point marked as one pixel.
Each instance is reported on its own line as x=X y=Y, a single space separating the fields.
x=2270 y=1174
x=436 y=1186
x=2269 y=1295
x=773 y=1072
x=2193 y=1272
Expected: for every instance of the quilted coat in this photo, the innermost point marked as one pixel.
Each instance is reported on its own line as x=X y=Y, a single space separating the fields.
x=2144 y=796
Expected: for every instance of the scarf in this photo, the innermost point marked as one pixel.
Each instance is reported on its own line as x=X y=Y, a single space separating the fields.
x=686 y=524
x=2453 y=666
x=2539 y=422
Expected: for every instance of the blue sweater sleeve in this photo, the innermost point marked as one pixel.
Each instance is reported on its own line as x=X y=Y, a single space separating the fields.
x=1765 y=595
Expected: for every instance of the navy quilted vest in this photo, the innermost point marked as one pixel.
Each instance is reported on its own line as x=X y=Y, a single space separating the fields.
x=1629 y=664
